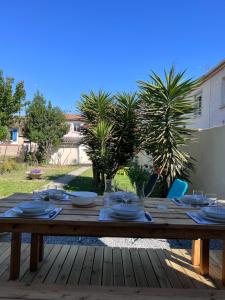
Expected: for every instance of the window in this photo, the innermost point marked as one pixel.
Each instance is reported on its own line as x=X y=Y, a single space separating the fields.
x=223 y=93
x=198 y=105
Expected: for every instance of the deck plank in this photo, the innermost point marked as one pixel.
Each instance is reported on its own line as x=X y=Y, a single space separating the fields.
x=40 y=275
x=148 y=269
x=67 y=266
x=85 y=277
x=138 y=269
x=57 y=265
x=159 y=270
x=96 y=275
x=107 y=278
x=118 y=278
x=77 y=266
x=129 y=277
x=104 y=266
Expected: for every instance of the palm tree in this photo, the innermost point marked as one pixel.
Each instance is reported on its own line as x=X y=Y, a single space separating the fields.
x=164 y=112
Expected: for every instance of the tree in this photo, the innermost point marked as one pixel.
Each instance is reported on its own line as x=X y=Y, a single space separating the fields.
x=11 y=102
x=164 y=112
x=45 y=125
x=110 y=134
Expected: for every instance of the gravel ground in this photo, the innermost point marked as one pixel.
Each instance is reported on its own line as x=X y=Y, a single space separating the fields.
x=116 y=242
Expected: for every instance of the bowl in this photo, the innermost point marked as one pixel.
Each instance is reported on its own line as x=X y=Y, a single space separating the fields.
x=33 y=206
x=82 y=198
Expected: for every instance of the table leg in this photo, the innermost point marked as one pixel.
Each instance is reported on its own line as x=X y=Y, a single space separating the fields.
x=41 y=247
x=196 y=252
x=200 y=255
x=34 y=252
x=223 y=263
x=15 y=256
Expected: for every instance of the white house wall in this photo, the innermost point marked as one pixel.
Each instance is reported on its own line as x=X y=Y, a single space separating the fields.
x=213 y=110
x=70 y=156
x=209 y=150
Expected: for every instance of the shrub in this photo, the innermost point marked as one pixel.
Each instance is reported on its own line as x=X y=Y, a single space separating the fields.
x=8 y=166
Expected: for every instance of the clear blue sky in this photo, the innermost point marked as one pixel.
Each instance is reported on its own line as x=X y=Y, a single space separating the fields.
x=64 y=48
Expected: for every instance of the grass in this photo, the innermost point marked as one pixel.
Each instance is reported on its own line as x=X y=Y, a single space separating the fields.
x=16 y=181
x=84 y=182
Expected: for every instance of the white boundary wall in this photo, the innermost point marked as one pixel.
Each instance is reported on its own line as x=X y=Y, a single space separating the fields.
x=209 y=151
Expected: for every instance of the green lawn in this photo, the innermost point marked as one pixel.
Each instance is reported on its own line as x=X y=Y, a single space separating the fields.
x=16 y=182
x=84 y=182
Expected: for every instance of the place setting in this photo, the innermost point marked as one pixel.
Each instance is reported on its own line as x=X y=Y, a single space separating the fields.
x=210 y=210
x=197 y=199
x=124 y=206
x=33 y=209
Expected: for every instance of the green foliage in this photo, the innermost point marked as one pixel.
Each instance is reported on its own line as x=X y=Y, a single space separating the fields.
x=165 y=110
x=137 y=174
x=110 y=136
x=10 y=102
x=8 y=165
x=45 y=125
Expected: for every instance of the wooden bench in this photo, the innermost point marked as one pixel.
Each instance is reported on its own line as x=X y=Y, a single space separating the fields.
x=18 y=291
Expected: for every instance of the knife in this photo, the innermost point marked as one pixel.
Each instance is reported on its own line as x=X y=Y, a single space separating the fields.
x=148 y=216
x=52 y=213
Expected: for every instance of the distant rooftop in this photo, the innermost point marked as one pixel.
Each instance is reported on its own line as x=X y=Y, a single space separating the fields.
x=73 y=117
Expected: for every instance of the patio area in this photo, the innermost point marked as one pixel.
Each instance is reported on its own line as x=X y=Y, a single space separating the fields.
x=104 y=266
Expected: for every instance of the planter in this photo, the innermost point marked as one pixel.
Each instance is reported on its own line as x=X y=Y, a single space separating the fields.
x=34 y=175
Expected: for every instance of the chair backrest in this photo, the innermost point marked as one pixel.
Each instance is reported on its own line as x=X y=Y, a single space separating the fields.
x=150 y=184
x=178 y=189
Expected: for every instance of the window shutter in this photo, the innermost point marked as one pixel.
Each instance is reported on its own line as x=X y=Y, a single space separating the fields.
x=14 y=135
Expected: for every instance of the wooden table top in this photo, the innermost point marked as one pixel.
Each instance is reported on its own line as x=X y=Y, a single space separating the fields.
x=172 y=222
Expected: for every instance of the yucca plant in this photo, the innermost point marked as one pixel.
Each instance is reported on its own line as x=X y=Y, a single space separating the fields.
x=165 y=110
x=110 y=134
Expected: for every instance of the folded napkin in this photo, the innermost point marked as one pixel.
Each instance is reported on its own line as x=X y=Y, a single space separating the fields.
x=12 y=214
x=197 y=217
x=178 y=202
x=105 y=216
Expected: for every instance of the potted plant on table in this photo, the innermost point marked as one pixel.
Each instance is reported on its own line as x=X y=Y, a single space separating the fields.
x=139 y=176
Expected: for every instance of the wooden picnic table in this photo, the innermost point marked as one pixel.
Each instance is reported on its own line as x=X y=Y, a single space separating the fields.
x=170 y=222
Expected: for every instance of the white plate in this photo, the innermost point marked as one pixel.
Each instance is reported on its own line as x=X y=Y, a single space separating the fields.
x=33 y=206
x=191 y=200
x=214 y=212
x=113 y=214
x=212 y=219
x=18 y=211
x=126 y=209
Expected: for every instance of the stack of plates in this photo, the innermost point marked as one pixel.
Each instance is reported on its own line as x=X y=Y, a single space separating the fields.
x=195 y=201
x=214 y=213
x=33 y=208
x=82 y=198
x=125 y=211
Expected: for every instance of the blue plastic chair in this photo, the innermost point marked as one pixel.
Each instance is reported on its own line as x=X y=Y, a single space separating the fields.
x=178 y=189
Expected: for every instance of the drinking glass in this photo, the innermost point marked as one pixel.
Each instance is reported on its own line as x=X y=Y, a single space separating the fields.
x=36 y=195
x=212 y=198
x=198 y=193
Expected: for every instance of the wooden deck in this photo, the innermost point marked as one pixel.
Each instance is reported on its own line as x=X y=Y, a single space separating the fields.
x=103 y=266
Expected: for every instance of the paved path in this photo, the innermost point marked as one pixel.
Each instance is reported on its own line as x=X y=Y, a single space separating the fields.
x=65 y=179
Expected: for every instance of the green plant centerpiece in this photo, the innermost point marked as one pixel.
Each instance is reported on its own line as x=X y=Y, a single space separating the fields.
x=139 y=176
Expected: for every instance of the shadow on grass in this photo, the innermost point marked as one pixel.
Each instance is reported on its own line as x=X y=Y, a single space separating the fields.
x=82 y=183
